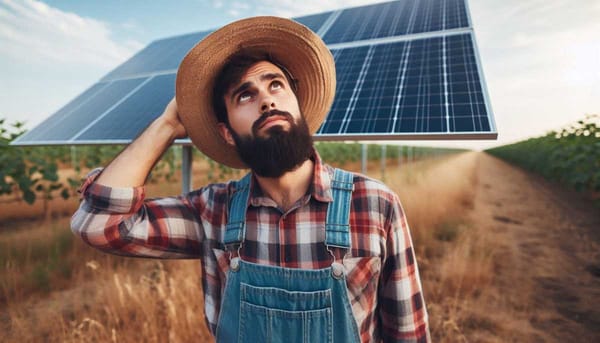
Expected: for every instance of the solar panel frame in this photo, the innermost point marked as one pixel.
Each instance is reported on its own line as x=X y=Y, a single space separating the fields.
x=327 y=20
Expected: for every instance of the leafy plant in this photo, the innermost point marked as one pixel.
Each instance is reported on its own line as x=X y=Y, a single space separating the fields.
x=26 y=172
x=569 y=156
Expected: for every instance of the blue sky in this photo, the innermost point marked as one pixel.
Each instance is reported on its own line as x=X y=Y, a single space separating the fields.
x=541 y=58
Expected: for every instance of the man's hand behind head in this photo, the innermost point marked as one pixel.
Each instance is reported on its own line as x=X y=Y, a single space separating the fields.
x=171 y=118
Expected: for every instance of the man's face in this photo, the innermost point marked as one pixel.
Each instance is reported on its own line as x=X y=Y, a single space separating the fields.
x=261 y=89
x=265 y=123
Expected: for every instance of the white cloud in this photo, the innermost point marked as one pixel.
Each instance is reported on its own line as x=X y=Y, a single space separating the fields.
x=48 y=56
x=542 y=62
x=217 y=4
x=33 y=32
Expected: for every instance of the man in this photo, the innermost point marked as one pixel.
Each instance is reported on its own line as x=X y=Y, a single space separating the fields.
x=296 y=250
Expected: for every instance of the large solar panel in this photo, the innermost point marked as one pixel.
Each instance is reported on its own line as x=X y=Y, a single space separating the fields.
x=406 y=69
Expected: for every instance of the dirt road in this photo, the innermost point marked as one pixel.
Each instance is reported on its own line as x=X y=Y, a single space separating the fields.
x=547 y=261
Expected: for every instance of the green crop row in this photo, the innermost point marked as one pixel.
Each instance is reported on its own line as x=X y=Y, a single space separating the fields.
x=340 y=153
x=569 y=156
x=31 y=173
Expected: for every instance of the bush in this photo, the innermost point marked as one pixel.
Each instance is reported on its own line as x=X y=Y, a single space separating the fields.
x=570 y=156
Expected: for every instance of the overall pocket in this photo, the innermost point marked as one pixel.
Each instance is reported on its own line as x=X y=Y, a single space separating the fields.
x=269 y=314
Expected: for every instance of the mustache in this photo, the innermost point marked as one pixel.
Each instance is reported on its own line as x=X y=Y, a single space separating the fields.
x=265 y=115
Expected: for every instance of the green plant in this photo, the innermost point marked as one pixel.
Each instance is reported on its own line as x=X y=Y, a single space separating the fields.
x=26 y=171
x=570 y=156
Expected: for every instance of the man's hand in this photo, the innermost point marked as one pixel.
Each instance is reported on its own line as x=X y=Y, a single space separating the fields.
x=171 y=118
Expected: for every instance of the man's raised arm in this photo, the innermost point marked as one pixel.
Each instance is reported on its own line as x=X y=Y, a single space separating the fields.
x=132 y=166
x=114 y=215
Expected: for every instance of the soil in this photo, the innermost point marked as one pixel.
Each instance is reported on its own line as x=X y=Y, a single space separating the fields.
x=547 y=264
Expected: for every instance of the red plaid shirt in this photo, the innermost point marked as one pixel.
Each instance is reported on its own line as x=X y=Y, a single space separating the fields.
x=382 y=275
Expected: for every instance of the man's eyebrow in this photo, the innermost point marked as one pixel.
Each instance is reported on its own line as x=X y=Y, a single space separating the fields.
x=271 y=76
x=240 y=89
x=246 y=85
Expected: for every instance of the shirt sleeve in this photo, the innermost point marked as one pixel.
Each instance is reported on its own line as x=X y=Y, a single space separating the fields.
x=402 y=311
x=121 y=221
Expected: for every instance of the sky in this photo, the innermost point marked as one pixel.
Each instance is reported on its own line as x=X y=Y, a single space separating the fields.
x=540 y=58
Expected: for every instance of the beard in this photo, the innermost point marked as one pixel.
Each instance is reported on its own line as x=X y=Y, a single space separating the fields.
x=280 y=151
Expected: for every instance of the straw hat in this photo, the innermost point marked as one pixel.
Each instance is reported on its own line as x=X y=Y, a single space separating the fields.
x=293 y=45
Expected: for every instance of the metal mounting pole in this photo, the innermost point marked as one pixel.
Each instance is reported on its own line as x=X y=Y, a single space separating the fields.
x=400 y=151
x=186 y=169
x=383 y=158
x=364 y=159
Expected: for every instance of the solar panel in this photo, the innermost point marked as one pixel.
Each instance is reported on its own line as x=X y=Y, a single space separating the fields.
x=406 y=69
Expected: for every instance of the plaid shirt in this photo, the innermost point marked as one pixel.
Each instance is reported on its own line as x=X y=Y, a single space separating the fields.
x=382 y=275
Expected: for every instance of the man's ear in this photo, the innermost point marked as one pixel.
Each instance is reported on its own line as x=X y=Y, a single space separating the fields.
x=226 y=134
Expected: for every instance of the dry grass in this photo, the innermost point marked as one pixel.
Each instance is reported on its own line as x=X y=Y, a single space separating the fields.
x=154 y=301
x=455 y=258
x=118 y=299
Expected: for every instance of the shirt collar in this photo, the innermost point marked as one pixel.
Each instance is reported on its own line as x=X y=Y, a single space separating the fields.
x=320 y=188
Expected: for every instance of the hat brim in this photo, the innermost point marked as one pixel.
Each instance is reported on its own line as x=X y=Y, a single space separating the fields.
x=293 y=45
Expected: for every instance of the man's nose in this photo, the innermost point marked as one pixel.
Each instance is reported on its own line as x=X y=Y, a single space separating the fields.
x=267 y=103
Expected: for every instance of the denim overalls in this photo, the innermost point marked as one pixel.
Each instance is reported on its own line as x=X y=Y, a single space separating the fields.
x=264 y=303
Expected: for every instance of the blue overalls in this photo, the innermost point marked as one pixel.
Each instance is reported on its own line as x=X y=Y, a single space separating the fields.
x=264 y=303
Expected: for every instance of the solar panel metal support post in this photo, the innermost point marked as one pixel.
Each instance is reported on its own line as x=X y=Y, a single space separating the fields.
x=74 y=161
x=364 y=159
x=400 y=156
x=383 y=157
x=186 y=169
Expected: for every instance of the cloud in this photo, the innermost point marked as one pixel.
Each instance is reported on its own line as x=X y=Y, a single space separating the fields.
x=33 y=32
x=48 y=56
x=237 y=8
x=540 y=61
x=217 y=4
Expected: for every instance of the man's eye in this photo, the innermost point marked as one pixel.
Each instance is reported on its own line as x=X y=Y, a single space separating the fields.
x=244 y=97
x=276 y=85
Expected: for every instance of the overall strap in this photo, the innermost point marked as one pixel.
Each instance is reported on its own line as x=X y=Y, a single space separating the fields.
x=337 y=224
x=235 y=230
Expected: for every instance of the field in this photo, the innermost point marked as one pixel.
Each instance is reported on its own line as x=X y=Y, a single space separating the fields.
x=505 y=256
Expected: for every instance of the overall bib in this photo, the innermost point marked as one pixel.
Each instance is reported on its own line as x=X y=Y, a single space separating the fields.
x=264 y=303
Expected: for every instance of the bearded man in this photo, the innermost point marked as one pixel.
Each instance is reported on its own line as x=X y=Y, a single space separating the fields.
x=296 y=250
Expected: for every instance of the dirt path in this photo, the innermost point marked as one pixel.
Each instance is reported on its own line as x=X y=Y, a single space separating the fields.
x=547 y=262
